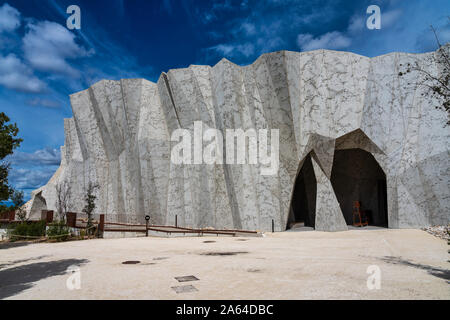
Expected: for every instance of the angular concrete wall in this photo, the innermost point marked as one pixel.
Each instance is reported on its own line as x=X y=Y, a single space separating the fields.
x=119 y=137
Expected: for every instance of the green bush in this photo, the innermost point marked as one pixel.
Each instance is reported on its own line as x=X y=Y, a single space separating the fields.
x=27 y=230
x=58 y=231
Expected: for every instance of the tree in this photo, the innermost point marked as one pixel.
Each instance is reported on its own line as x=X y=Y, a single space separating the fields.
x=8 y=142
x=63 y=192
x=17 y=199
x=437 y=85
x=89 y=208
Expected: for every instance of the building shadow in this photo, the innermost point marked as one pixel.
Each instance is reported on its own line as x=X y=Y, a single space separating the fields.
x=11 y=263
x=9 y=245
x=434 y=271
x=17 y=279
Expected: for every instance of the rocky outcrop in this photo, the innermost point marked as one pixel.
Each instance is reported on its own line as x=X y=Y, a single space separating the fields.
x=119 y=138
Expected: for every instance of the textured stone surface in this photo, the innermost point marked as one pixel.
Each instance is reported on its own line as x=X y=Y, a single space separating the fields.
x=119 y=137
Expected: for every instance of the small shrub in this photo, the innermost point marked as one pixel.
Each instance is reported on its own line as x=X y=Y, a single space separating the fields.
x=58 y=231
x=27 y=230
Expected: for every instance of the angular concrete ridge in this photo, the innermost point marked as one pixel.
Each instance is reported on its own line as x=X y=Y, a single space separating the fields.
x=321 y=101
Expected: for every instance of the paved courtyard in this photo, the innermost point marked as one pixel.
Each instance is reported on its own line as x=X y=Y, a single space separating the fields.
x=289 y=265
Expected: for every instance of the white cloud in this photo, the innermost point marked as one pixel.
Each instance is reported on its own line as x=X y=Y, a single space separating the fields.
x=389 y=18
x=17 y=76
x=222 y=5
x=232 y=50
x=357 y=24
x=249 y=28
x=314 y=17
x=33 y=170
x=224 y=49
x=9 y=18
x=47 y=45
x=42 y=157
x=246 y=49
x=267 y=44
x=207 y=17
x=48 y=103
x=250 y=39
x=330 y=40
x=217 y=9
x=26 y=178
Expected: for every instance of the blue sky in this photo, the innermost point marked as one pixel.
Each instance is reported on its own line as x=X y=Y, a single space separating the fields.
x=42 y=62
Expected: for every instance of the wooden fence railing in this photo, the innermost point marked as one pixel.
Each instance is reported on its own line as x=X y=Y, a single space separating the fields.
x=102 y=226
x=169 y=229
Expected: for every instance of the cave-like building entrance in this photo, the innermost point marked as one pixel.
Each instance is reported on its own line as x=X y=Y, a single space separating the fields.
x=303 y=203
x=357 y=176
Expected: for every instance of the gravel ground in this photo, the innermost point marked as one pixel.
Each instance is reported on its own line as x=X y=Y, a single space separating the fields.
x=442 y=232
x=410 y=264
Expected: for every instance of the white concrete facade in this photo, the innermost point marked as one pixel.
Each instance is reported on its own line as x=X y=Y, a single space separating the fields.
x=119 y=138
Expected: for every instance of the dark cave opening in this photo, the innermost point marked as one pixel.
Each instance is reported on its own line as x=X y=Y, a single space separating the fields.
x=357 y=176
x=303 y=203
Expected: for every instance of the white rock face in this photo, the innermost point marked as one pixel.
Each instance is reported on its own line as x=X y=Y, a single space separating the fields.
x=321 y=101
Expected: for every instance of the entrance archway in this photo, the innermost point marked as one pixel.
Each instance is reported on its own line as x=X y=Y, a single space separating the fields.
x=357 y=176
x=303 y=202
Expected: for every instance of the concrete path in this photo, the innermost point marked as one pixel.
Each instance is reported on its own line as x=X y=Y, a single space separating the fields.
x=289 y=265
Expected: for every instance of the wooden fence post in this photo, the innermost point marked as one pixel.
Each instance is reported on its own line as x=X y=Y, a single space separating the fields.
x=71 y=219
x=49 y=217
x=101 y=225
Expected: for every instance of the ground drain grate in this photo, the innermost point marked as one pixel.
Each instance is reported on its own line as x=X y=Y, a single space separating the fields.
x=184 y=289
x=160 y=258
x=187 y=278
x=131 y=262
x=242 y=239
x=208 y=241
x=230 y=253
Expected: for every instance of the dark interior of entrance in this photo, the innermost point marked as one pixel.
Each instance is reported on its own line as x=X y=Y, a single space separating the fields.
x=303 y=203
x=357 y=176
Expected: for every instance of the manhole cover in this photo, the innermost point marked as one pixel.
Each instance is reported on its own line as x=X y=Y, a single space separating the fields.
x=131 y=262
x=208 y=241
x=160 y=258
x=241 y=239
x=183 y=289
x=187 y=278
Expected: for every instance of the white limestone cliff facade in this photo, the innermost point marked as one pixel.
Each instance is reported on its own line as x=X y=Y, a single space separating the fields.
x=321 y=101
